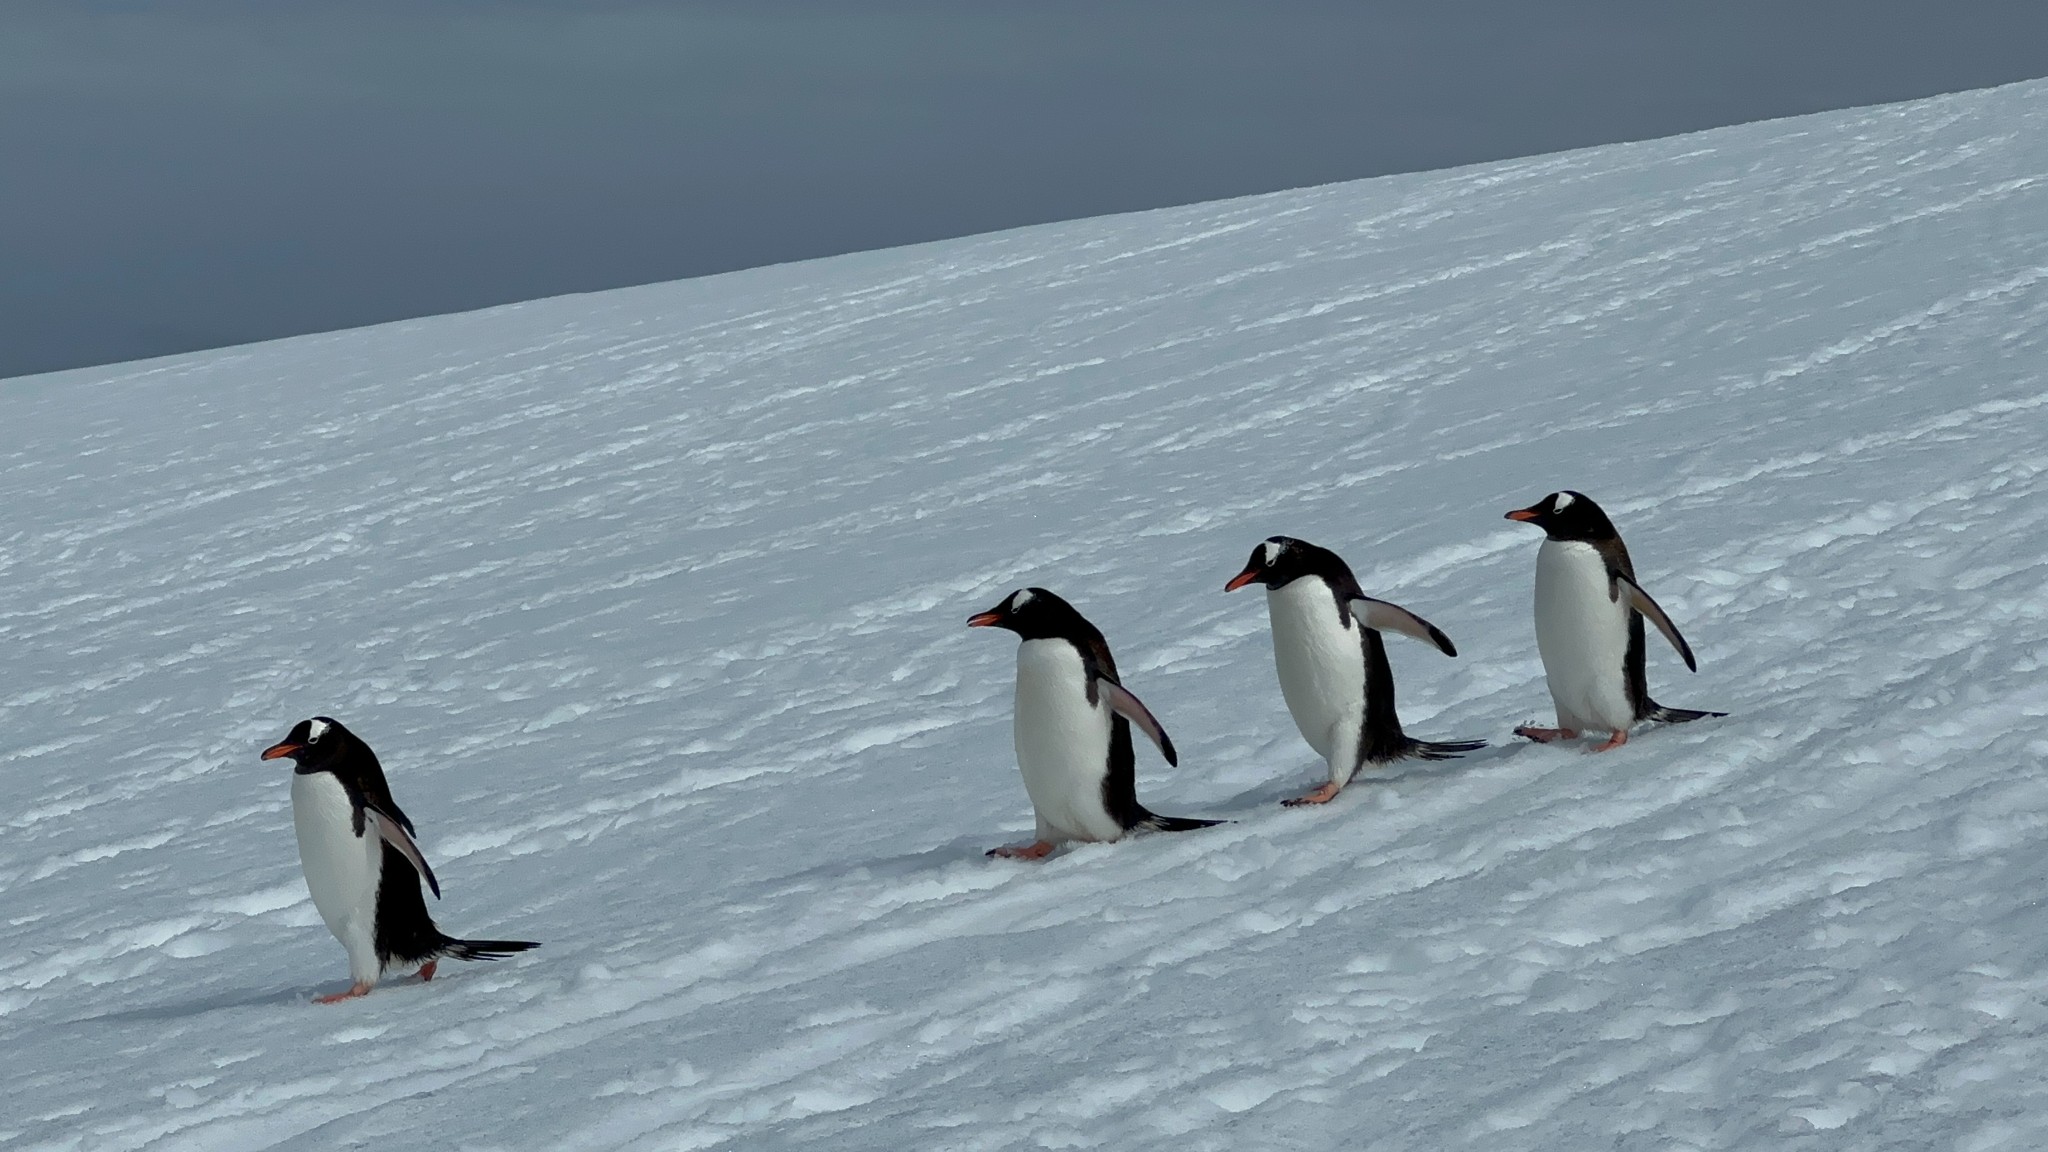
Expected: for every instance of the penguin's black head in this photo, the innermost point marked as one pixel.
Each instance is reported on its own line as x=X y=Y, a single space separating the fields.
x=1567 y=516
x=314 y=745
x=1282 y=560
x=1034 y=614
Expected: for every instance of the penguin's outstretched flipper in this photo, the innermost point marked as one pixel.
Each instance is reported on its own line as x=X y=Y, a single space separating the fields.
x=1394 y=618
x=395 y=835
x=1133 y=709
x=1641 y=602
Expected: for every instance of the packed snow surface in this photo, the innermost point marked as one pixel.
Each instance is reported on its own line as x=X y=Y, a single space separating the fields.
x=653 y=604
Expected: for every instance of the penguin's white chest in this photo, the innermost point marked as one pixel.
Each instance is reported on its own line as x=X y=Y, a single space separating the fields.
x=342 y=869
x=1062 y=741
x=1321 y=662
x=1582 y=635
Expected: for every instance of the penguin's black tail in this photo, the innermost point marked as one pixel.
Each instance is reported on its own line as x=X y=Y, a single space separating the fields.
x=1445 y=750
x=1677 y=715
x=484 y=949
x=1158 y=823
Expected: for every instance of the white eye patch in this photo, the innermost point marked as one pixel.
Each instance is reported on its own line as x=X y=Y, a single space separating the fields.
x=315 y=730
x=1022 y=598
x=1272 y=551
x=1560 y=501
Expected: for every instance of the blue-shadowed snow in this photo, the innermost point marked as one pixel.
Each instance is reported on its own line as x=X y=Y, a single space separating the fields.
x=653 y=602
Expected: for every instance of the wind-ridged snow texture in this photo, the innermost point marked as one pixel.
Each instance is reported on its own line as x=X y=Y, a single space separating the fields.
x=653 y=601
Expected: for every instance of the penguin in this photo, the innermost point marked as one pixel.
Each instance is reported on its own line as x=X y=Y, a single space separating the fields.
x=1589 y=625
x=1072 y=728
x=362 y=866
x=1333 y=662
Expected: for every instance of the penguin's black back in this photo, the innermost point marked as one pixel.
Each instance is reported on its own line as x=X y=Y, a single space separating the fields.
x=405 y=930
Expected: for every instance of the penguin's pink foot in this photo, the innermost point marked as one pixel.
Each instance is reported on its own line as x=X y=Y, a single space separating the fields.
x=427 y=970
x=1323 y=795
x=1546 y=735
x=1619 y=738
x=359 y=989
x=1036 y=850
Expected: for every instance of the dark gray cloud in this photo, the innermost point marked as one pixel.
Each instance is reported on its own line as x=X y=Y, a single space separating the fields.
x=178 y=176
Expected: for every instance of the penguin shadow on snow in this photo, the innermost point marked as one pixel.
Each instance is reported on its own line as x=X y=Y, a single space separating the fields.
x=291 y=997
x=1262 y=798
x=200 y=1006
x=968 y=848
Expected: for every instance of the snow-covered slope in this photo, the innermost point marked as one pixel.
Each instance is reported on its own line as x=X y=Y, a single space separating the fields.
x=653 y=601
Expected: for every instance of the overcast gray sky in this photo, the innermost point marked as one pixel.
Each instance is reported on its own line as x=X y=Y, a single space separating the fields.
x=177 y=176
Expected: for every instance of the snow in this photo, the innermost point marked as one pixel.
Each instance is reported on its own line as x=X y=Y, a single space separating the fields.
x=653 y=601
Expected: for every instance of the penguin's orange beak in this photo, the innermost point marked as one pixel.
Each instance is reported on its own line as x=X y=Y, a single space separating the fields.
x=1524 y=514
x=984 y=619
x=285 y=748
x=1241 y=579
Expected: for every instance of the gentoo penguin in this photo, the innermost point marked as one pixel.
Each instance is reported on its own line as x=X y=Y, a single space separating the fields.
x=1073 y=728
x=360 y=860
x=1589 y=625
x=1333 y=663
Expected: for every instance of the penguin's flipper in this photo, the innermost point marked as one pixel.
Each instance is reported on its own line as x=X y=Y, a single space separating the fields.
x=395 y=835
x=1641 y=602
x=1134 y=710
x=1394 y=618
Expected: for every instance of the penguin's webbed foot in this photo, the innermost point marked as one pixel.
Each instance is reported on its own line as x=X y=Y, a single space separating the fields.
x=1036 y=850
x=359 y=988
x=427 y=970
x=1614 y=741
x=1546 y=735
x=1322 y=795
